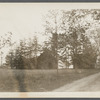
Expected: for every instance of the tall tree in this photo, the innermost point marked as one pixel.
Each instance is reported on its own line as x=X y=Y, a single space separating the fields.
x=4 y=41
x=52 y=27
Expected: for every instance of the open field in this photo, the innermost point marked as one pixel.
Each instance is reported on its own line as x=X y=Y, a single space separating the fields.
x=39 y=80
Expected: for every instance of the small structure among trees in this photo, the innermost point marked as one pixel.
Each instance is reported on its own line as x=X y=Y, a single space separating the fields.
x=46 y=60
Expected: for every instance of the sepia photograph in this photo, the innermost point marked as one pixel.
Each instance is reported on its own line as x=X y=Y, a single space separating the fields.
x=50 y=49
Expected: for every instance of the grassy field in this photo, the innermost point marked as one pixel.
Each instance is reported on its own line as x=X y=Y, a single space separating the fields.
x=39 y=80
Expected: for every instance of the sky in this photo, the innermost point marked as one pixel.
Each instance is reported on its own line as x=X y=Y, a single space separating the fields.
x=24 y=19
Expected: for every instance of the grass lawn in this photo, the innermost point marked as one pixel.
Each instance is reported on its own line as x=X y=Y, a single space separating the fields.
x=39 y=80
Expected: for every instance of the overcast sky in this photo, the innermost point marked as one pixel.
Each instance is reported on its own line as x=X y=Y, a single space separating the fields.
x=24 y=19
x=21 y=20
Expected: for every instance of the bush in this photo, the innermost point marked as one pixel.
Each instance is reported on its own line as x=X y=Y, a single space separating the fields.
x=85 y=60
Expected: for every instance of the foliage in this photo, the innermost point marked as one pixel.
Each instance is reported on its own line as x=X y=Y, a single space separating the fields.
x=71 y=35
x=70 y=31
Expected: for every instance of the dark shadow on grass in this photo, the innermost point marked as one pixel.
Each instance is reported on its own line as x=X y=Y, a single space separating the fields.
x=20 y=78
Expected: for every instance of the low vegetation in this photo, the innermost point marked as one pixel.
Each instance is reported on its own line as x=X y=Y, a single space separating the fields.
x=39 y=80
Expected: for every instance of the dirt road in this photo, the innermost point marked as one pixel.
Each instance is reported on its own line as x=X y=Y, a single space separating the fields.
x=88 y=84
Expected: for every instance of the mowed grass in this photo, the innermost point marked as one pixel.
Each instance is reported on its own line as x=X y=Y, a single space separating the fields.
x=39 y=80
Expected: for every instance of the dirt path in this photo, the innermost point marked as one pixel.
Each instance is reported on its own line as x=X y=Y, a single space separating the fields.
x=88 y=84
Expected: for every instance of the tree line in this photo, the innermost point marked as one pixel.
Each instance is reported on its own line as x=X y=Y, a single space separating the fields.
x=73 y=38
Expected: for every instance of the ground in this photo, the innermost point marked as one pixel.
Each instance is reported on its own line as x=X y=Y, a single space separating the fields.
x=87 y=84
x=48 y=80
